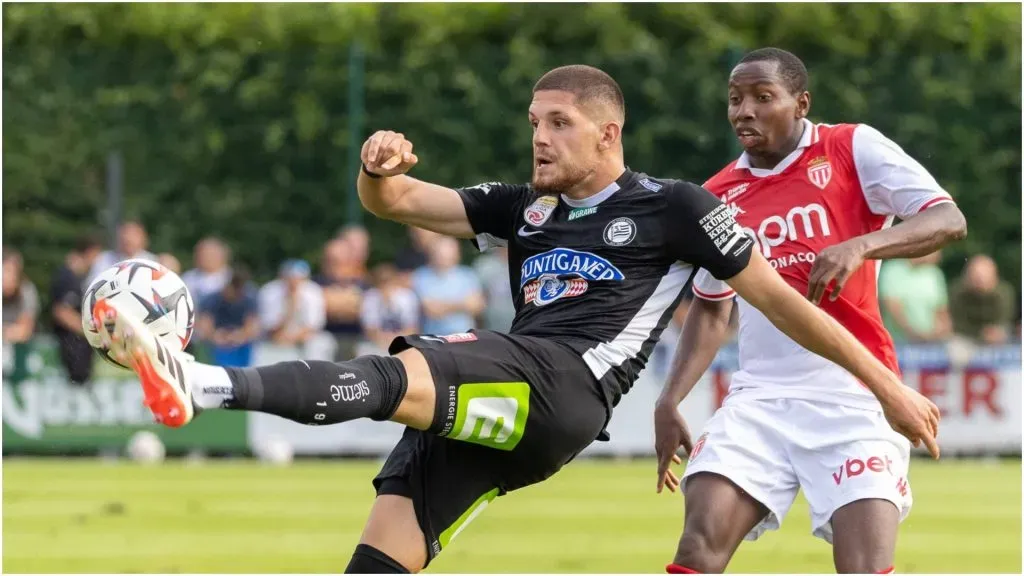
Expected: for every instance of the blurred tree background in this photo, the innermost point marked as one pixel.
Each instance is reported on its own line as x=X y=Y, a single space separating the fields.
x=233 y=118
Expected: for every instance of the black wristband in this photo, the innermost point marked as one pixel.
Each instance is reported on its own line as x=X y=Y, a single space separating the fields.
x=370 y=174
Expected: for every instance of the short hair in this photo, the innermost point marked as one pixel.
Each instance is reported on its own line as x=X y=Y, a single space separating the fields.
x=791 y=68
x=87 y=242
x=587 y=84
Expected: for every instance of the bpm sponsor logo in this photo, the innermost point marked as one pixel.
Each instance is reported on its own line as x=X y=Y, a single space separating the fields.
x=563 y=273
x=800 y=222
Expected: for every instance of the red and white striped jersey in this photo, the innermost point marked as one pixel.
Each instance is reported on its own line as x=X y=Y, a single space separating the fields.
x=842 y=181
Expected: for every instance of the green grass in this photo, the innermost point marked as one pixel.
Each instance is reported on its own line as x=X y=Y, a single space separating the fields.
x=594 y=516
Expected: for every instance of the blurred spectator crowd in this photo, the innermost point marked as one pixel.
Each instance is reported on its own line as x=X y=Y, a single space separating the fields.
x=344 y=308
x=340 y=309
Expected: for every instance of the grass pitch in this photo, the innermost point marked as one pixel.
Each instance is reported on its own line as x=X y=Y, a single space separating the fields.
x=595 y=516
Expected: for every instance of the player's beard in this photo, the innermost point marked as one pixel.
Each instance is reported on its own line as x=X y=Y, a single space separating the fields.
x=567 y=176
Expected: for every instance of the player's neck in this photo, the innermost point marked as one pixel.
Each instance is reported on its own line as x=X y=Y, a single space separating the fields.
x=769 y=160
x=598 y=181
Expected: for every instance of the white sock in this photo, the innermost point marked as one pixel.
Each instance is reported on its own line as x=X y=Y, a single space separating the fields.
x=211 y=386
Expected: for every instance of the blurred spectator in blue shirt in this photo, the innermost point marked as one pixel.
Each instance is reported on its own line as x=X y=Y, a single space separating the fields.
x=229 y=320
x=450 y=294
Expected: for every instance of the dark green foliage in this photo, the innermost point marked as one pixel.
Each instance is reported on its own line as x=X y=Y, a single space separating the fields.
x=232 y=118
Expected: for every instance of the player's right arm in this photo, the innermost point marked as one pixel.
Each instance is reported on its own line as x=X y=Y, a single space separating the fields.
x=394 y=196
x=711 y=239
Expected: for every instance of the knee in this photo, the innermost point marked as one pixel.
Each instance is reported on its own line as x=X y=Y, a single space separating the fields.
x=700 y=552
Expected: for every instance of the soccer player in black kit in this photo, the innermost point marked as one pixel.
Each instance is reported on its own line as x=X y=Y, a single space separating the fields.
x=598 y=257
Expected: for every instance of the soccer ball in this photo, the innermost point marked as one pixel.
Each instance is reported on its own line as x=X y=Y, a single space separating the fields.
x=146 y=447
x=151 y=293
x=275 y=452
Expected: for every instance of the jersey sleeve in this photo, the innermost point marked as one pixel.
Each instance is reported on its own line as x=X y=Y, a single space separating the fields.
x=492 y=208
x=893 y=182
x=707 y=287
x=701 y=230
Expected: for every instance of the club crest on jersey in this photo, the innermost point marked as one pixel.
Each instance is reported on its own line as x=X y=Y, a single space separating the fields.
x=819 y=171
x=541 y=209
x=563 y=273
x=619 y=232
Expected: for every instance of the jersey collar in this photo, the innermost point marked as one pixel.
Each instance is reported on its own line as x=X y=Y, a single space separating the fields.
x=594 y=200
x=810 y=136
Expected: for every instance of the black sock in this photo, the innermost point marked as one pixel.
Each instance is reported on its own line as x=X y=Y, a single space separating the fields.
x=368 y=560
x=318 y=393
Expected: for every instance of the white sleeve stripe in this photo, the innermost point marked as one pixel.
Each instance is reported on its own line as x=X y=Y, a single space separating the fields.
x=714 y=297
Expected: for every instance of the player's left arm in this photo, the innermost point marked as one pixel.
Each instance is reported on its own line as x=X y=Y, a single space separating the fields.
x=894 y=184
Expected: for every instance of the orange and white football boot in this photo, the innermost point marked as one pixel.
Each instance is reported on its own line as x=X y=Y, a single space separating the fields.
x=164 y=373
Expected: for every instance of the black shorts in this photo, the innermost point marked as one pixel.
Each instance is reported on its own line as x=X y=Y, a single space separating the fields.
x=519 y=408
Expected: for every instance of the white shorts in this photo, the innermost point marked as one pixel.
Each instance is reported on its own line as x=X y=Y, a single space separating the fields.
x=837 y=454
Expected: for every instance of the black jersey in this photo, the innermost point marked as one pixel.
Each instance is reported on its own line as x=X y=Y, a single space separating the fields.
x=605 y=274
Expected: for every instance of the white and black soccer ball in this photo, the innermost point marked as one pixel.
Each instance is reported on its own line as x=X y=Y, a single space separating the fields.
x=150 y=292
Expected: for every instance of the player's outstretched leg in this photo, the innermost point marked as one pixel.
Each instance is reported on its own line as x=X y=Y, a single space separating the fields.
x=398 y=388
x=864 y=537
x=718 y=515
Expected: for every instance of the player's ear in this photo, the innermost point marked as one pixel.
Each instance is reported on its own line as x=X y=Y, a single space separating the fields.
x=803 y=104
x=611 y=134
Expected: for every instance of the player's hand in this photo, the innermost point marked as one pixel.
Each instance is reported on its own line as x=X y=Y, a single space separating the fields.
x=837 y=263
x=670 y=433
x=915 y=417
x=388 y=153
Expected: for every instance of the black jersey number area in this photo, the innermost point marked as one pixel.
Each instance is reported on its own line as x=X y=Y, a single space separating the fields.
x=605 y=274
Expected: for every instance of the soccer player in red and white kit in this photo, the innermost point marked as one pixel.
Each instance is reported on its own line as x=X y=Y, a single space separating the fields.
x=820 y=201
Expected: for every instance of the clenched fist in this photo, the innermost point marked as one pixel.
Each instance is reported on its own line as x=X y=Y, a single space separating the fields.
x=388 y=153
